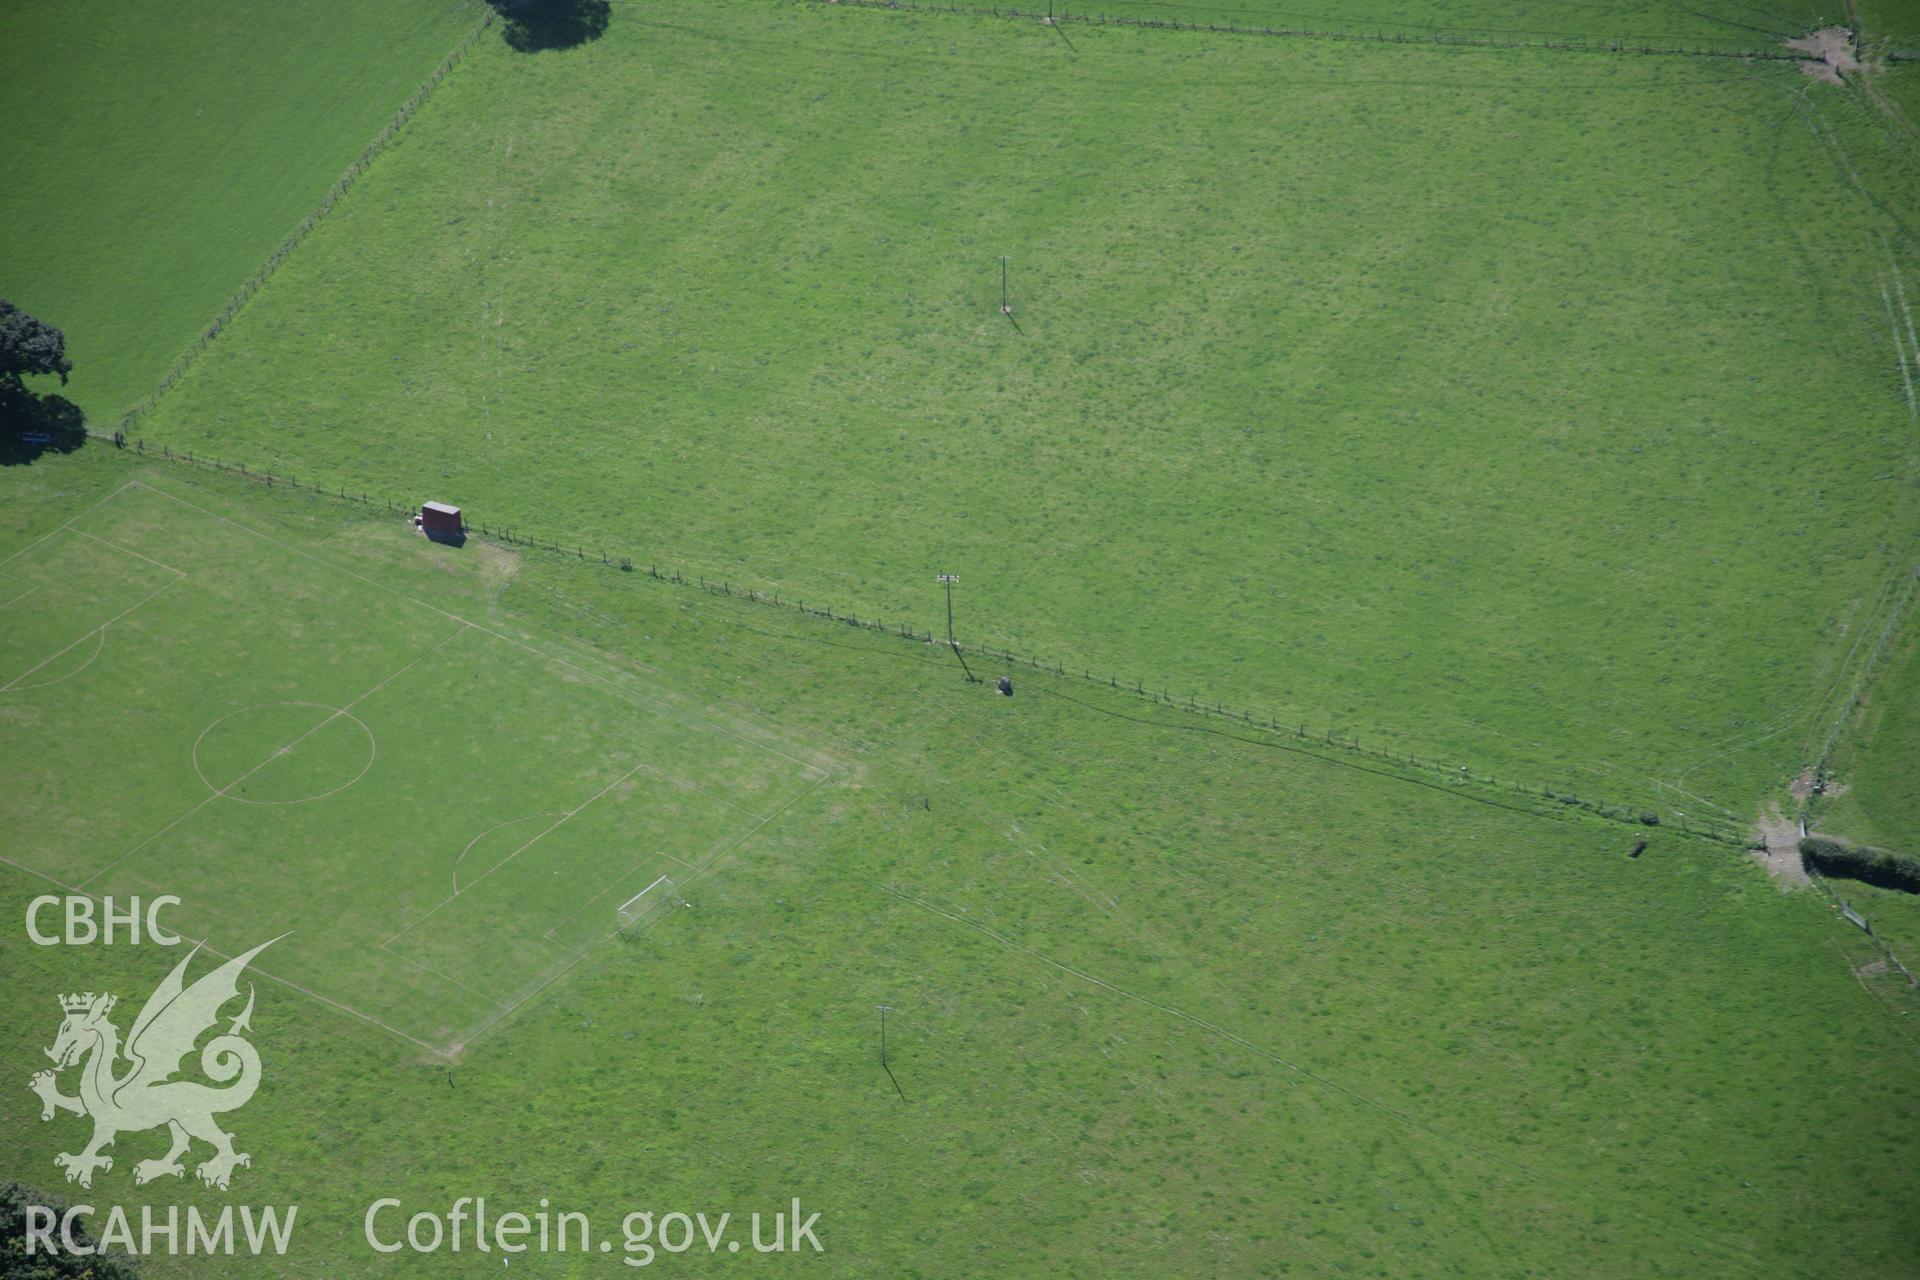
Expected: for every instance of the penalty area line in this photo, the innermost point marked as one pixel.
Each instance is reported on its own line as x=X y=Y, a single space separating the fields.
x=610 y=886
x=584 y=951
x=129 y=551
x=203 y=944
x=444 y=977
x=77 y=516
x=83 y=639
x=544 y=832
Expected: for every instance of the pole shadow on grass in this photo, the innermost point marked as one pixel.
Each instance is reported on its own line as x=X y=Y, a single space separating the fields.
x=530 y=26
x=31 y=425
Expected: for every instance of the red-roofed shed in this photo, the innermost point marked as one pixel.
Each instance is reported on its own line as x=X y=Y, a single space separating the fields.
x=438 y=520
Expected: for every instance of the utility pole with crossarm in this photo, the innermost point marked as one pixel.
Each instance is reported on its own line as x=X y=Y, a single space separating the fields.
x=947 y=580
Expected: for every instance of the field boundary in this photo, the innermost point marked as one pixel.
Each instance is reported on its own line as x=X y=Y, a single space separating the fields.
x=341 y=185
x=1543 y=799
x=1463 y=38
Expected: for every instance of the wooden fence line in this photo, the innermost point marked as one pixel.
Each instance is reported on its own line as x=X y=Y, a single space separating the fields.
x=1543 y=798
x=1886 y=951
x=340 y=187
x=1379 y=35
x=509 y=535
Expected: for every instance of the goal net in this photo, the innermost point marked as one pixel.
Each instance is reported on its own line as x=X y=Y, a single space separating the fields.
x=647 y=903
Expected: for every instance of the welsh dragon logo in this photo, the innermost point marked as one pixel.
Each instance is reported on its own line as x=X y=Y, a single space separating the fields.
x=145 y=1095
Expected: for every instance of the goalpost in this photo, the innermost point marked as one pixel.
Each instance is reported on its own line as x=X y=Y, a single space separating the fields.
x=662 y=893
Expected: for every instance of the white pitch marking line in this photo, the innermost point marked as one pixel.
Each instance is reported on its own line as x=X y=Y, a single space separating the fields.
x=530 y=993
x=270 y=759
x=102 y=627
x=698 y=790
x=437 y=1050
x=663 y=707
x=596 y=897
x=341 y=711
x=302 y=553
x=226 y=792
x=77 y=515
x=635 y=695
x=821 y=774
x=129 y=551
x=149 y=840
x=529 y=817
x=546 y=831
x=99 y=644
x=696 y=873
x=750 y=832
x=444 y=977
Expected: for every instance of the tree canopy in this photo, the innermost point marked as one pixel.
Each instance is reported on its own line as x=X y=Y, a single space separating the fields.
x=29 y=346
x=533 y=25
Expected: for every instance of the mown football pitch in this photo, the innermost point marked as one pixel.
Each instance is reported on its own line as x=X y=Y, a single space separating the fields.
x=443 y=816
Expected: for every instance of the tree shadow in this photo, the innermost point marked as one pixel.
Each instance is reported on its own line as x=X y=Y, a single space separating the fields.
x=530 y=26
x=32 y=425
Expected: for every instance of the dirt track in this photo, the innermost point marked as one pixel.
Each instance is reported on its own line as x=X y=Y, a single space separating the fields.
x=1782 y=856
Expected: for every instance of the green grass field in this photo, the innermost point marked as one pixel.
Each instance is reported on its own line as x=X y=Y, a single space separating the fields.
x=1880 y=800
x=1330 y=396
x=1717 y=24
x=426 y=753
x=1876 y=796
x=1537 y=411
x=1329 y=1023
x=1894 y=21
x=163 y=151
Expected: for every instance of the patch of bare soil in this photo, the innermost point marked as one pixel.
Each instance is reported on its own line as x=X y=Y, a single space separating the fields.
x=1871 y=968
x=1810 y=783
x=1781 y=856
x=1832 y=53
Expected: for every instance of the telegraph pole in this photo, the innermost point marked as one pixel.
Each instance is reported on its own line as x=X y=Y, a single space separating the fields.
x=947 y=580
x=883 y=1052
x=1006 y=309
